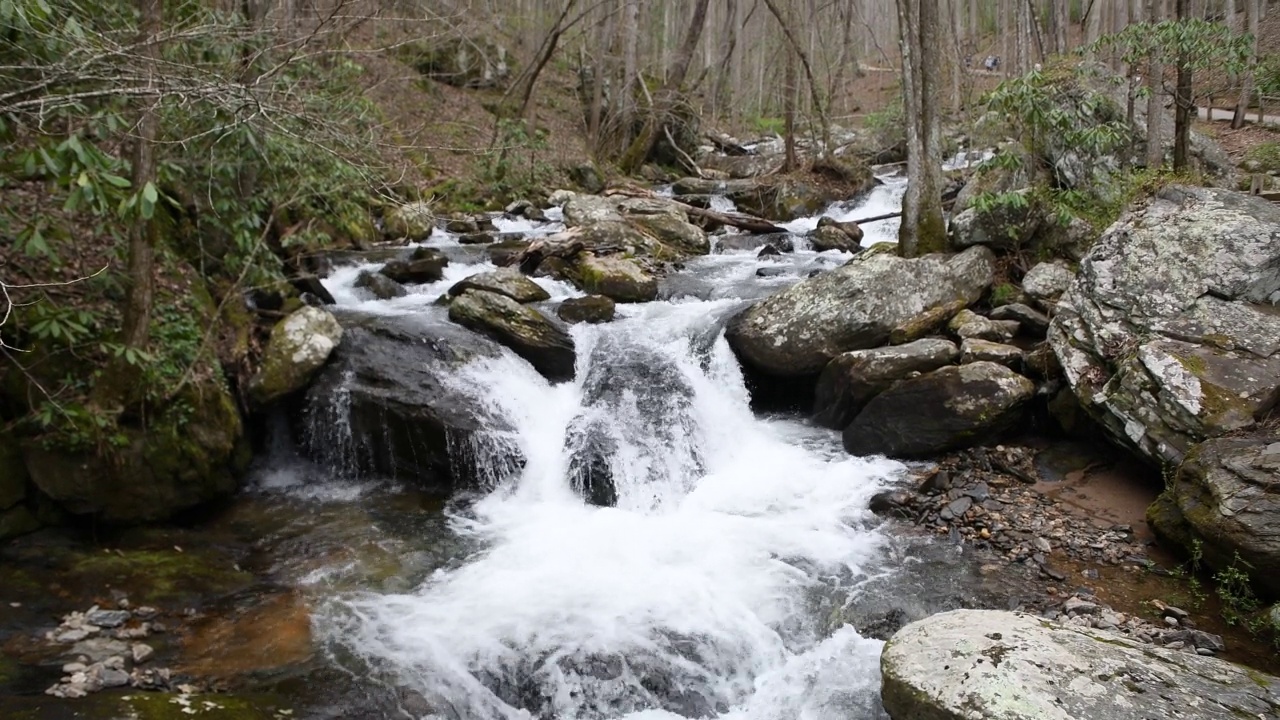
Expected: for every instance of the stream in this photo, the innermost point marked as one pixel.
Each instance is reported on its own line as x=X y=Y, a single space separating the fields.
x=740 y=574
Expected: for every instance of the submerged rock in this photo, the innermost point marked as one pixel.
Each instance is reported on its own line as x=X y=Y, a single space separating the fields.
x=525 y=330
x=948 y=409
x=425 y=266
x=1169 y=335
x=851 y=380
x=977 y=664
x=1225 y=497
x=299 y=346
x=505 y=281
x=855 y=306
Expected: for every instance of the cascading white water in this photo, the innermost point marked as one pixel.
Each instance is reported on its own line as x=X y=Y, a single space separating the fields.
x=706 y=591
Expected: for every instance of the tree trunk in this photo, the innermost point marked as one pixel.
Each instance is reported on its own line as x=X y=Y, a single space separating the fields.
x=142 y=233
x=789 y=112
x=1061 y=25
x=1093 y=21
x=816 y=98
x=923 y=229
x=668 y=96
x=1182 y=106
x=1252 y=9
x=1155 y=86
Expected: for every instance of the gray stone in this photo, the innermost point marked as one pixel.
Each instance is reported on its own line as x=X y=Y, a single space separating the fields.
x=98 y=649
x=299 y=346
x=426 y=265
x=1029 y=318
x=969 y=324
x=617 y=278
x=381 y=286
x=948 y=409
x=853 y=307
x=588 y=309
x=107 y=618
x=111 y=677
x=526 y=331
x=986 y=664
x=1166 y=337
x=960 y=505
x=973 y=350
x=141 y=652
x=414 y=221
x=849 y=381
x=503 y=281
x=1047 y=281
x=1225 y=497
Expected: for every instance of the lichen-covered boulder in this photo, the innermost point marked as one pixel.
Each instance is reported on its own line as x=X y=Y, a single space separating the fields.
x=948 y=409
x=581 y=210
x=796 y=332
x=1225 y=497
x=995 y=665
x=413 y=220
x=504 y=281
x=849 y=381
x=525 y=330
x=974 y=350
x=299 y=346
x=1169 y=335
x=589 y=309
x=617 y=278
x=680 y=235
x=1046 y=281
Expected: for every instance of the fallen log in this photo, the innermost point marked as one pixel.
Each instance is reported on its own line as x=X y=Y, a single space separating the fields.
x=877 y=218
x=742 y=222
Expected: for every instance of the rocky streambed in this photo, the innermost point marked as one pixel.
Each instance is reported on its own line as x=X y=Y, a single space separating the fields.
x=607 y=459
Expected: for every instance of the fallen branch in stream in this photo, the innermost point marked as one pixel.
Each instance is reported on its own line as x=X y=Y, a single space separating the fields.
x=742 y=222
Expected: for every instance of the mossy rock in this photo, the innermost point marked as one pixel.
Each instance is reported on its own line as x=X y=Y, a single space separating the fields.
x=158 y=577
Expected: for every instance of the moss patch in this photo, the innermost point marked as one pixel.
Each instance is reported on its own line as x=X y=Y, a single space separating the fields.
x=161 y=577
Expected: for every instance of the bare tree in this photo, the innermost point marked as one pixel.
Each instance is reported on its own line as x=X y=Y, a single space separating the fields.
x=1155 y=86
x=1252 y=11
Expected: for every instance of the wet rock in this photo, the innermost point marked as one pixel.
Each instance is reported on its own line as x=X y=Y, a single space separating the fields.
x=1165 y=336
x=477 y=238
x=835 y=235
x=461 y=225
x=780 y=242
x=768 y=272
x=852 y=379
x=382 y=287
x=768 y=251
x=1047 y=281
x=969 y=324
x=673 y=231
x=505 y=281
x=891 y=503
x=386 y=403
x=950 y=408
x=525 y=330
x=299 y=346
x=414 y=221
x=1223 y=499
x=973 y=350
x=787 y=199
x=617 y=278
x=588 y=309
x=107 y=618
x=1030 y=319
x=969 y=664
x=98 y=649
x=141 y=652
x=855 y=306
x=426 y=266
x=505 y=252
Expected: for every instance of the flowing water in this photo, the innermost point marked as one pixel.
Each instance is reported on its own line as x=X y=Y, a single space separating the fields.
x=719 y=585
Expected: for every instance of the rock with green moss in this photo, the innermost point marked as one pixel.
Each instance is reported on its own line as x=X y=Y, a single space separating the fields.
x=682 y=235
x=796 y=332
x=525 y=330
x=1225 y=497
x=989 y=664
x=948 y=409
x=299 y=346
x=191 y=452
x=1168 y=335
x=504 y=281
x=617 y=278
x=412 y=221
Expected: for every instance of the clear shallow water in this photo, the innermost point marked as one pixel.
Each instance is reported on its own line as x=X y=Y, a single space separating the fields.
x=706 y=592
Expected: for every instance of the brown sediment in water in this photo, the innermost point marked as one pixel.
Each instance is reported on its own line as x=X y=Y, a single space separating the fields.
x=267 y=635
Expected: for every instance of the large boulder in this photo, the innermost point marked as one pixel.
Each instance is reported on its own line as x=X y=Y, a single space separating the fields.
x=414 y=220
x=948 y=409
x=851 y=380
x=387 y=403
x=1169 y=334
x=617 y=278
x=191 y=452
x=989 y=664
x=680 y=235
x=525 y=330
x=466 y=62
x=299 y=346
x=1225 y=497
x=796 y=332
x=788 y=199
x=503 y=281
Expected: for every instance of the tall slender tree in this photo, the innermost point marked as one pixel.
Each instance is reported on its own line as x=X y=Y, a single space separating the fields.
x=923 y=229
